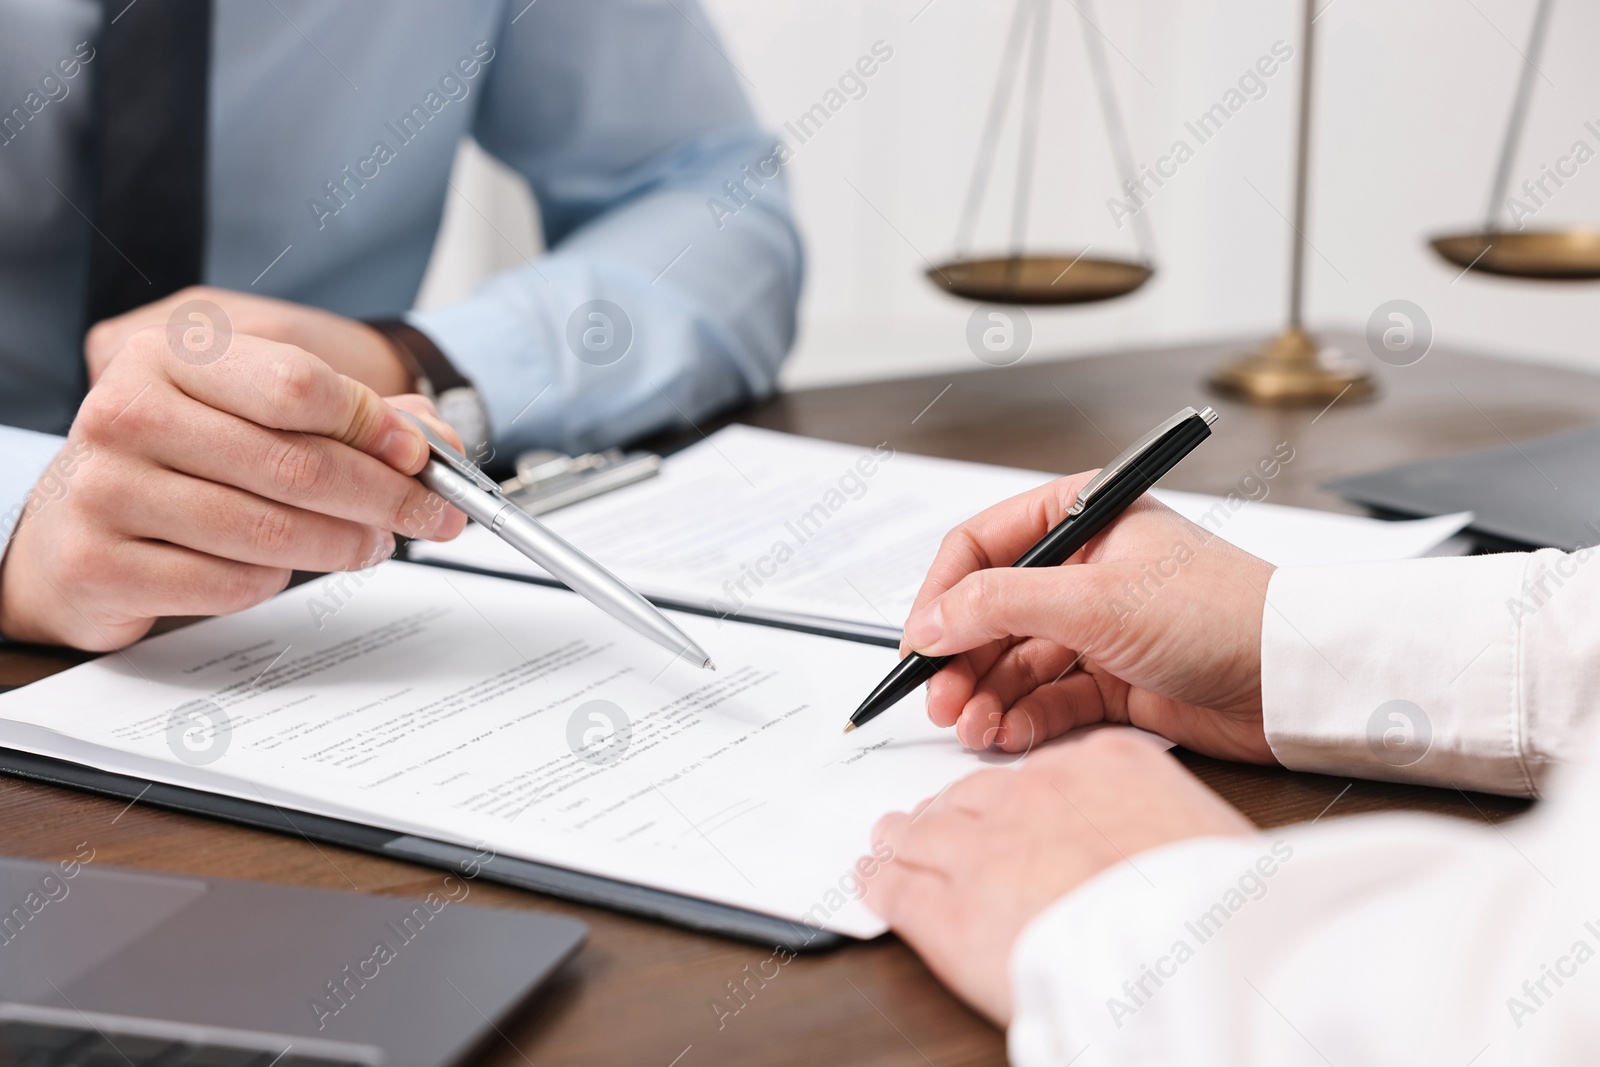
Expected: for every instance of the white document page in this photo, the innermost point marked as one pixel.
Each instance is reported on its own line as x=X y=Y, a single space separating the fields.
x=1305 y=537
x=509 y=716
x=770 y=525
x=756 y=523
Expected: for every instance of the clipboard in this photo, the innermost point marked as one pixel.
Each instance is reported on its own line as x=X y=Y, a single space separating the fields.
x=704 y=916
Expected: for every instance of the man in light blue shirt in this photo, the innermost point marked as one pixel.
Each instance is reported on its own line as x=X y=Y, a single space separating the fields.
x=331 y=129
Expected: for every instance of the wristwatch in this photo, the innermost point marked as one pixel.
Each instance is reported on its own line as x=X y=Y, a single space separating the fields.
x=436 y=378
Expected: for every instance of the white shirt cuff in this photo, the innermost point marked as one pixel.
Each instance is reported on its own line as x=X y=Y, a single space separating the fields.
x=1410 y=671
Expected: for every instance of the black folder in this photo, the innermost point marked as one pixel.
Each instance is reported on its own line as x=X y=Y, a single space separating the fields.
x=1543 y=493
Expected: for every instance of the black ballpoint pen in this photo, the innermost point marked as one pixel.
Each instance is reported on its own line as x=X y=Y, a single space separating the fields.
x=1106 y=495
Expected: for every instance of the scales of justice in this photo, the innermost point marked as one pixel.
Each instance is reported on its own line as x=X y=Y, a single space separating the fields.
x=1292 y=368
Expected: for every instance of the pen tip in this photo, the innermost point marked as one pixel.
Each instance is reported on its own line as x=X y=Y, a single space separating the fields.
x=849 y=726
x=708 y=665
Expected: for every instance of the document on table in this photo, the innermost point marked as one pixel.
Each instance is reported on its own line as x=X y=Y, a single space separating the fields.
x=764 y=525
x=509 y=716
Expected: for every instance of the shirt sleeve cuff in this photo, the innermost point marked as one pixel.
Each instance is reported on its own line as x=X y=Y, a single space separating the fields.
x=1405 y=671
x=27 y=455
x=496 y=349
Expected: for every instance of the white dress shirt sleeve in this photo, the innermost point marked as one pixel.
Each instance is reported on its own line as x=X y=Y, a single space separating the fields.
x=1380 y=939
x=1470 y=673
x=1369 y=940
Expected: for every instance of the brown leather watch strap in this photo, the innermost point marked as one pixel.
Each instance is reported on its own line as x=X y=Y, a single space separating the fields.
x=421 y=356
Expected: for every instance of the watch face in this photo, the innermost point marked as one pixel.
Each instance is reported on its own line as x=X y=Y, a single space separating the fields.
x=463 y=409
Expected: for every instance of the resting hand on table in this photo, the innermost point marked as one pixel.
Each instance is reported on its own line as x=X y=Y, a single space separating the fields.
x=974 y=865
x=1156 y=623
x=193 y=483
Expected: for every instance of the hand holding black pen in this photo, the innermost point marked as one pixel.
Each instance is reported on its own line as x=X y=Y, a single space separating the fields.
x=1105 y=497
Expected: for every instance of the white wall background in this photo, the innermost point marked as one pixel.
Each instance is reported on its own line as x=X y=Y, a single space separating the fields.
x=1411 y=100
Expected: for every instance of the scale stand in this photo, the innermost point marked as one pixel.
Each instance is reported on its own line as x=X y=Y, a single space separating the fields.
x=1293 y=368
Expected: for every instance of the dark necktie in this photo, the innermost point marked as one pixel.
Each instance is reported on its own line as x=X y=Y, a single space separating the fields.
x=148 y=153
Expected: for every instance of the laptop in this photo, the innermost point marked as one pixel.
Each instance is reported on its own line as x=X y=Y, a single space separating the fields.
x=106 y=967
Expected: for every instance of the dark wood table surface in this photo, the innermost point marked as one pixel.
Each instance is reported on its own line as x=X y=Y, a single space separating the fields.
x=642 y=993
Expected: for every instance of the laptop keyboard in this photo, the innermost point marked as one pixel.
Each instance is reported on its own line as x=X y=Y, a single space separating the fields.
x=102 y=1043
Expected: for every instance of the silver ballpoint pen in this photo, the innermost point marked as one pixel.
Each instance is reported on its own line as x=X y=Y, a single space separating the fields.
x=459 y=481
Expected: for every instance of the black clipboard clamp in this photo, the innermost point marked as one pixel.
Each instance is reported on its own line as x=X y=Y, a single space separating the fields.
x=704 y=916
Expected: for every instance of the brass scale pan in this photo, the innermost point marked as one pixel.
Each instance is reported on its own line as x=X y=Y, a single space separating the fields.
x=1040 y=278
x=1547 y=255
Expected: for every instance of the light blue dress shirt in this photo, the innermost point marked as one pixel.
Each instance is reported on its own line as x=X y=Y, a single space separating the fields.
x=332 y=130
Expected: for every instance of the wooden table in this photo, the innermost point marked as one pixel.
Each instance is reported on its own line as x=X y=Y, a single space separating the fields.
x=641 y=993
